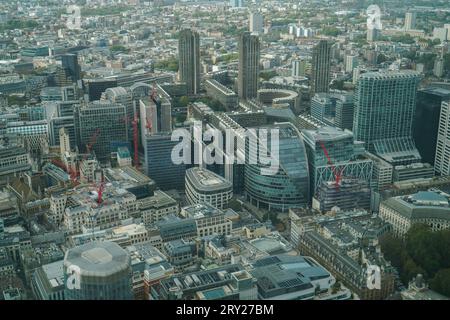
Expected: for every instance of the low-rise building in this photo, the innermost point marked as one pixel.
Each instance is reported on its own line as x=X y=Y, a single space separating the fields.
x=209 y=220
x=428 y=207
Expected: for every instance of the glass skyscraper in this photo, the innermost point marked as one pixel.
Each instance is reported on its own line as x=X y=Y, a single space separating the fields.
x=249 y=54
x=289 y=187
x=384 y=110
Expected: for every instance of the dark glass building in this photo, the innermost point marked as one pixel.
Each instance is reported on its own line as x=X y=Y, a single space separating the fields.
x=426 y=120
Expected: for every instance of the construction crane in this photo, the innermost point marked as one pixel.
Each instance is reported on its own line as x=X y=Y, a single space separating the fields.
x=72 y=173
x=336 y=172
x=92 y=141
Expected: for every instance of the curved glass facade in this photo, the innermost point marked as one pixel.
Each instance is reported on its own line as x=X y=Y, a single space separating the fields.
x=289 y=187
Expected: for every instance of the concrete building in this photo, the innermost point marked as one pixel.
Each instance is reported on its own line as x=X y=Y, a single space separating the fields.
x=204 y=186
x=427 y=207
x=284 y=277
x=256 y=22
x=230 y=282
x=249 y=56
x=189 y=53
x=209 y=220
x=227 y=97
x=48 y=281
x=321 y=64
x=410 y=20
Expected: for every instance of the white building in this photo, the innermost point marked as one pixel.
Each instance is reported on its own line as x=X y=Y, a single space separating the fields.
x=426 y=207
x=256 y=22
x=204 y=186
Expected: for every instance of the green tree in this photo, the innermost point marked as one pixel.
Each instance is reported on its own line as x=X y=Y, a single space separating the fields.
x=441 y=282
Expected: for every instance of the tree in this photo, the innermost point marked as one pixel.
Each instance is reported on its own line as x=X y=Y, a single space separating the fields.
x=441 y=282
x=235 y=205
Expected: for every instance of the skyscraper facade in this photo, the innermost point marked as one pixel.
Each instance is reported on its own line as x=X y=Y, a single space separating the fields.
x=426 y=120
x=70 y=63
x=98 y=271
x=384 y=112
x=158 y=162
x=410 y=20
x=189 y=52
x=249 y=55
x=289 y=187
x=321 y=63
x=103 y=119
x=442 y=159
x=256 y=22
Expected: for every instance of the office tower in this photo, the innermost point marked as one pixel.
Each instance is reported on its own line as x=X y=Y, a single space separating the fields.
x=189 y=53
x=321 y=63
x=333 y=109
x=236 y=3
x=330 y=151
x=158 y=162
x=248 y=77
x=256 y=22
x=438 y=69
x=441 y=34
x=351 y=62
x=98 y=270
x=70 y=62
x=372 y=34
x=95 y=87
x=384 y=110
x=344 y=112
x=426 y=120
x=103 y=121
x=55 y=124
x=410 y=20
x=351 y=194
x=289 y=186
x=125 y=97
x=442 y=158
x=156 y=115
x=299 y=67
x=64 y=141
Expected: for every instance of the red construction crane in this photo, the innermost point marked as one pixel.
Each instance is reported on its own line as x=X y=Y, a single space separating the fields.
x=72 y=173
x=336 y=172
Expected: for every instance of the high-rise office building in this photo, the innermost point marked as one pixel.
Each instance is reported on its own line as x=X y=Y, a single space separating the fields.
x=410 y=20
x=70 y=62
x=289 y=186
x=256 y=22
x=327 y=144
x=321 y=63
x=442 y=159
x=351 y=62
x=372 y=34
x=384 y=110
x=426 y=120
x=156 y=116
x=104 y=120
x=158 y=162
x=249 y=55
x=98 y=271
x=189 y=53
